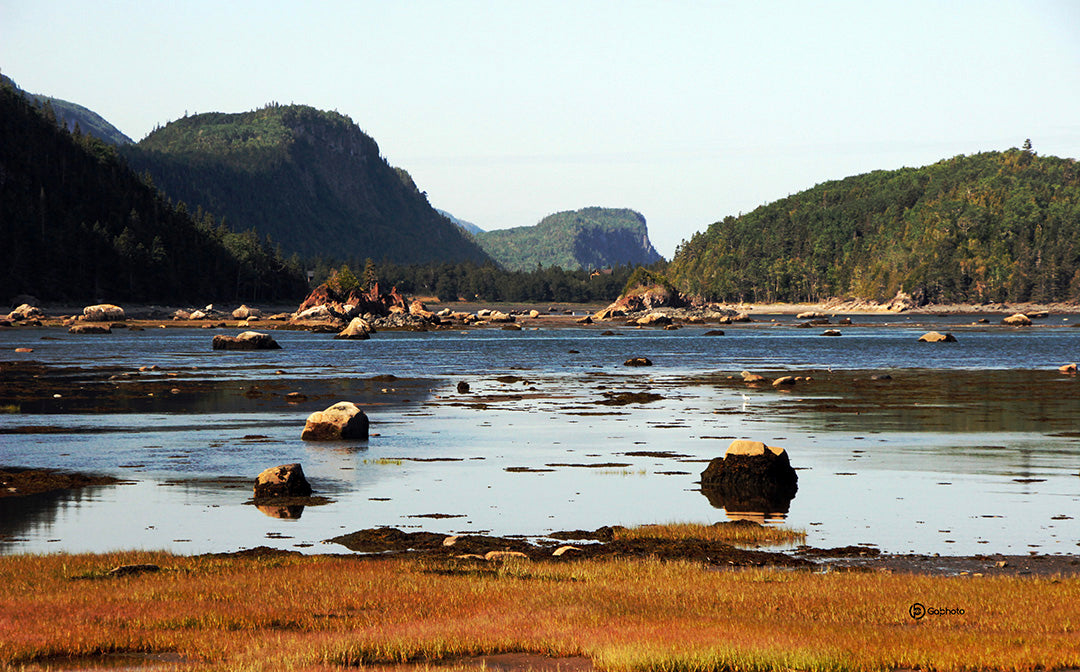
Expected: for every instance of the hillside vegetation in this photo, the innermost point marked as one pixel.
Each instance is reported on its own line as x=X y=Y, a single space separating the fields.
x=77 y=224
x=583 y=239
x=996 y=226
x=310 y=180
x=70 y=115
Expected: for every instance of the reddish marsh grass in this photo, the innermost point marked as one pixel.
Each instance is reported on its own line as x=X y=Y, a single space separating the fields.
x=314 y=613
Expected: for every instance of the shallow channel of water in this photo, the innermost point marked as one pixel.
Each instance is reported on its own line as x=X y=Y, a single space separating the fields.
x=963 y=450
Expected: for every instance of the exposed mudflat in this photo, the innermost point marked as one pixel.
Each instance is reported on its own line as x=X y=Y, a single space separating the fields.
x=22 y=481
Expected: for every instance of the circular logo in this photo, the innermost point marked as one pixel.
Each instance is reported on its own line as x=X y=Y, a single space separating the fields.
x=917 y=611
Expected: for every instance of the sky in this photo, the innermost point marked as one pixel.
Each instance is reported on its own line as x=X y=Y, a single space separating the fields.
x=505 y=111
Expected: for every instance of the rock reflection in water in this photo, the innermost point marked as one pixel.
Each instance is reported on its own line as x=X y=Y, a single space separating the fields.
x=282 y=512
x=761 y=508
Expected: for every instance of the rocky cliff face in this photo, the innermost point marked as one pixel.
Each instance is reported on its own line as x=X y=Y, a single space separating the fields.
x=589 y=238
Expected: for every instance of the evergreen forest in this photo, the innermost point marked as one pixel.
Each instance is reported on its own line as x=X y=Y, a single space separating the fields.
x=76 y=224
x=990 y=227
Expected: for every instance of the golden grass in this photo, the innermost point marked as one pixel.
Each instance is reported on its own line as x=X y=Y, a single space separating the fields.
x=730 y=533
x=319 y=613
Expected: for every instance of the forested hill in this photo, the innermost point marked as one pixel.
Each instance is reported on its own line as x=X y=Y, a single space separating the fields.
x=311 y=180
x=589 y=238
x=77 y=225
x=997 y=226
x=69 y=114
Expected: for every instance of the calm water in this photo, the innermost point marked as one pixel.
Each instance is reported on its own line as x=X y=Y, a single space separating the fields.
x=952 y=458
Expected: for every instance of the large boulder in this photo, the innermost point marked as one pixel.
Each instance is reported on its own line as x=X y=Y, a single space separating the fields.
x=248 y=340
x=245 y=313
x=103 y=312
x=286 y=480
x=25 y=311
x=1017 y=320
x=358 y=329
x=751 y=477
x=937 y=337
x=342 y=421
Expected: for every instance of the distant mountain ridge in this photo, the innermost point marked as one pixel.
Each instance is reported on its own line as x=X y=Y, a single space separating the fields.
x=468 y=227
x=69 y=114
x=310 y=180
x=990 y=227
x=589 y=238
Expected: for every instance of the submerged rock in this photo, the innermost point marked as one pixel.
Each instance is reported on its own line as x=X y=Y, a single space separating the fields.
x=90 y=329
x=286 y=480
x=342 y=421
x=248 y=340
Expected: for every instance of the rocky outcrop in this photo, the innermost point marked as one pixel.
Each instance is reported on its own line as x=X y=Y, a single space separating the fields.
x=103 y=312
x=1017 y=320
x=248 y=340
x=642 y=298
x=1068 y=369
x=638 y=361
x=286 y=480
x=342 y=421
x=937 y=337
x=374 y=301
x=901 y=302
x=358 y=329
x=751 y=477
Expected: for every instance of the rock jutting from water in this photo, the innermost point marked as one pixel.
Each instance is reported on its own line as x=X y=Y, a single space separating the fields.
x=248 y=340
x=937 y=337
x=286 y=480
x=342 y=421
x=1017 y=320
x=751 y=476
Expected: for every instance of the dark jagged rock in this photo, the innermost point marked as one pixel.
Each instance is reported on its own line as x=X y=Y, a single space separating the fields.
x=750 y=477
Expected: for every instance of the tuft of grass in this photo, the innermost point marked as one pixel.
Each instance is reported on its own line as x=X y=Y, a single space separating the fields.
x=738 y=533
x=384 y=461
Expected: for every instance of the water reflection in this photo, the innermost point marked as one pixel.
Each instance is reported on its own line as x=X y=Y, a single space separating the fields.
x=762 y=507
x=282 y=512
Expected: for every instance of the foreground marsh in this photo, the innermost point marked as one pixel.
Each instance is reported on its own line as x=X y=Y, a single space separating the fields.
x=320 y=613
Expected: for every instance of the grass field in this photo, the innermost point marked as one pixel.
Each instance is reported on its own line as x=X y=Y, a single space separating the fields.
x=323 y=612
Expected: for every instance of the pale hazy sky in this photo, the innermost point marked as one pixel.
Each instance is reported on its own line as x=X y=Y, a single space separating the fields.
x=507 y=111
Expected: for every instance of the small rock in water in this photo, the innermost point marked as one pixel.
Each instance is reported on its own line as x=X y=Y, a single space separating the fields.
x=463 y=387
x=638 y=361
x=343 y=420
x=286 y=480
